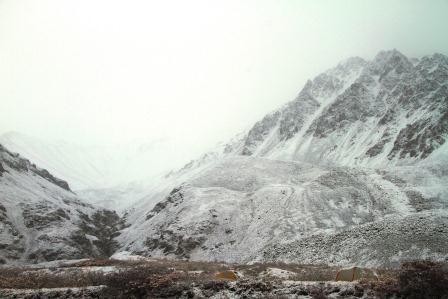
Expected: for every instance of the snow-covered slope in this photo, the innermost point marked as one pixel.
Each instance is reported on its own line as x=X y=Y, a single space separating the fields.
x=41 y=219
x=346 y=173
x=371 y=113
x=243 y=207
x=110 y=176
x=98 y=167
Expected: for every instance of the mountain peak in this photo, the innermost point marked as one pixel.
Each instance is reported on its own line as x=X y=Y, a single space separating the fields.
x=387 y=54
x=439 y=58
x=387 y=61
x=351 y=62
x=351 y=99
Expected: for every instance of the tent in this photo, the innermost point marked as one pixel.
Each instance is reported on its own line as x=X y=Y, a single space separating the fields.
x=226 y=275
x=355 y=273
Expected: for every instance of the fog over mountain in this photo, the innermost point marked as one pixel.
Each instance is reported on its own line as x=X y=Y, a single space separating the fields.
x=358 y=156
x=232 y=149
x=194 y=73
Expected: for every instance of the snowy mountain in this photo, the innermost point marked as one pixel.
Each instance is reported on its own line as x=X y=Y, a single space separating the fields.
x=111 y=176
x=242 y=208
x=41 y=219
x=379 y=113
x=94 y=167
x=352 y=171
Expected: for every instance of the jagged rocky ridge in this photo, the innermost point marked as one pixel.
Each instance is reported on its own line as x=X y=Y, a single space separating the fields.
x=379 y=113
x=41 y=219
x=344 y=174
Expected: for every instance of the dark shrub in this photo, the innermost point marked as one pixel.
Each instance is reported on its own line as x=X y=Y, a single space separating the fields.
x=414 y=280
x=317 y=292
x=385 y=287
x=423 y=279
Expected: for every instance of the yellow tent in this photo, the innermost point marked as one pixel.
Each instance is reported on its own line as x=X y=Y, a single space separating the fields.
x=226 y=275
x=355 y=273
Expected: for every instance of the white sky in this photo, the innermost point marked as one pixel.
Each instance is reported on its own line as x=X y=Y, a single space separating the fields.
x=197 y=71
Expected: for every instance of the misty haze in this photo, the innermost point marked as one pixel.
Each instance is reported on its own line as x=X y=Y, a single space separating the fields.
x=223 y=149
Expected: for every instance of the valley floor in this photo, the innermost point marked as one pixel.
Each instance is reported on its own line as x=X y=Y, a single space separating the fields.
x=155 y=278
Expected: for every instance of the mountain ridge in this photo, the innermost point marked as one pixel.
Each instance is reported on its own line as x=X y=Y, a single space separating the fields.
x=367 y=102
x=41 y=219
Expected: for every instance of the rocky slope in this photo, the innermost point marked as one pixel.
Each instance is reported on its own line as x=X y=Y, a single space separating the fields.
x=247 y=209
x=42 y=219
x=345 y=174
x=372 y=113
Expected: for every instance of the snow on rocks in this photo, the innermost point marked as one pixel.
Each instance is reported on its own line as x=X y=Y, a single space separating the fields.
x=128 y=256
x=277 y=272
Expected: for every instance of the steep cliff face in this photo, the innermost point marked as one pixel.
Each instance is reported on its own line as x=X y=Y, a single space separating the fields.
x=290 y=120
x=379 y=113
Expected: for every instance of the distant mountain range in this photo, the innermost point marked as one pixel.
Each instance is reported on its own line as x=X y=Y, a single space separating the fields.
x=110 y=176
x=97 y=167
x=353 y=171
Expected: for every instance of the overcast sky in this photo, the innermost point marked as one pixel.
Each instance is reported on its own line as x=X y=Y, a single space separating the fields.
x=201 y=71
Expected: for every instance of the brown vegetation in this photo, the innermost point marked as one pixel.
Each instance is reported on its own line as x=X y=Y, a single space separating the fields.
x=414 y=280
x=182 y=279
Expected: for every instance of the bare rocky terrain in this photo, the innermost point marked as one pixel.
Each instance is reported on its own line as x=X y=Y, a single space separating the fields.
x=140 y=277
